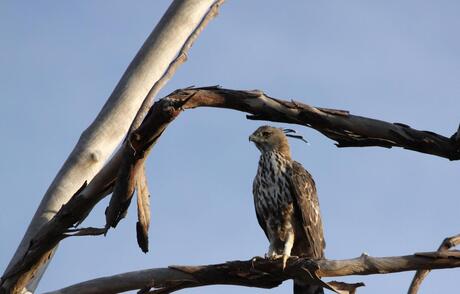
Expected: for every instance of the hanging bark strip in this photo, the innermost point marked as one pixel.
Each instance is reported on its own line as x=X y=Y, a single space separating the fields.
x=262 y=273
x=143 y=211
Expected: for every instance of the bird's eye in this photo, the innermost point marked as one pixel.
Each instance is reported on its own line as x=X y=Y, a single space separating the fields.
x=265 y=134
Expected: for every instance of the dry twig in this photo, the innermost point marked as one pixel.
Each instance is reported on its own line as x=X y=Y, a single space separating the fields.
x=420 y=275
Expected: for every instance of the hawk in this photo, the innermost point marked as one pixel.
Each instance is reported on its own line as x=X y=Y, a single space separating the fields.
x=286 y=203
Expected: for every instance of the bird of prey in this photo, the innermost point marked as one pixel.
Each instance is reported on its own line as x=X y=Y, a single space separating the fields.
x=286 y=202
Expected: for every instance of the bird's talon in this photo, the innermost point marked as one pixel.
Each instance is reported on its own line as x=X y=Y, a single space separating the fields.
x=285 y=258
x=274 y=257
x=254 y=260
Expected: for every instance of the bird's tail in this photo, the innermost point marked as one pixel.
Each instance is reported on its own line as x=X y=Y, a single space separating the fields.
x=300 y=288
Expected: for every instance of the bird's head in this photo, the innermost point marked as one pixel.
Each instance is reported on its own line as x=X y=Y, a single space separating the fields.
x=270 y=139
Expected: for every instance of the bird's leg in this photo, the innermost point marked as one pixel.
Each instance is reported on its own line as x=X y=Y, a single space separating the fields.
x=288 y=247
x=271 y=251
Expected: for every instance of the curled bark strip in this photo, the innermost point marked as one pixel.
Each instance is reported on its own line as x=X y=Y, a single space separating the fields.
x=85 y=232
x=259 y=272
x=345 y=288
x=143 y=210
x=420 y=275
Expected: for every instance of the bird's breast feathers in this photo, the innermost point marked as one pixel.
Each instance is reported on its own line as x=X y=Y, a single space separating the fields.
x=271 y=185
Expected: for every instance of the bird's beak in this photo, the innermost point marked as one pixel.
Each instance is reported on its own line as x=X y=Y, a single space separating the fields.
x=253 y=138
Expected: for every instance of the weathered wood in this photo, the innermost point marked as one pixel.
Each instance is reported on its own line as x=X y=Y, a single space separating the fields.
x=346 y=129
x=261 y=273
x=181 y=23
x=420 y=275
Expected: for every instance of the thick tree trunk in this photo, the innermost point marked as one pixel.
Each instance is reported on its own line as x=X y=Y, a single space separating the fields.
x=100 y=139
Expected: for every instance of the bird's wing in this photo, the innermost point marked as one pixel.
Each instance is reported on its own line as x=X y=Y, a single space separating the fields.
x=260 y=218
x=307 y=206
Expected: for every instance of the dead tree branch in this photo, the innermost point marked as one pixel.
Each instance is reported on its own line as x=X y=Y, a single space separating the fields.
x=262 y=273
x=420 y=275
x=348 y=130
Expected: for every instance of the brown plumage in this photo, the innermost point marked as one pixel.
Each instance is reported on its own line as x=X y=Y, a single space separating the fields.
x=286 y=203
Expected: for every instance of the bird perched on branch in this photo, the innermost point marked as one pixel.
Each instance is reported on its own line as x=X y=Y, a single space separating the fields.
x=286 y=203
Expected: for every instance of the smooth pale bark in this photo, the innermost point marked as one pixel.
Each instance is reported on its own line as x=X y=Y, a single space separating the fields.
x=100 y=139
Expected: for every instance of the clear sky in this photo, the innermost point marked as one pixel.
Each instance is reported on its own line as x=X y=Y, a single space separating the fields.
x=398 y=61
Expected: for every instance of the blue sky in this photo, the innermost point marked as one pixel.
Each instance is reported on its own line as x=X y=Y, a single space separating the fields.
x=398 y=61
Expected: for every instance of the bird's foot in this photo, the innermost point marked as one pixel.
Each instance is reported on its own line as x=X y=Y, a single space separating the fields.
x=275 y=256
x=272 y=255
x=255 y=258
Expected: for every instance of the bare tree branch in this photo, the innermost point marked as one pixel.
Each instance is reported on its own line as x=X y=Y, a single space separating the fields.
x=262 y=273
x=346 y=129
x=420 y=275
